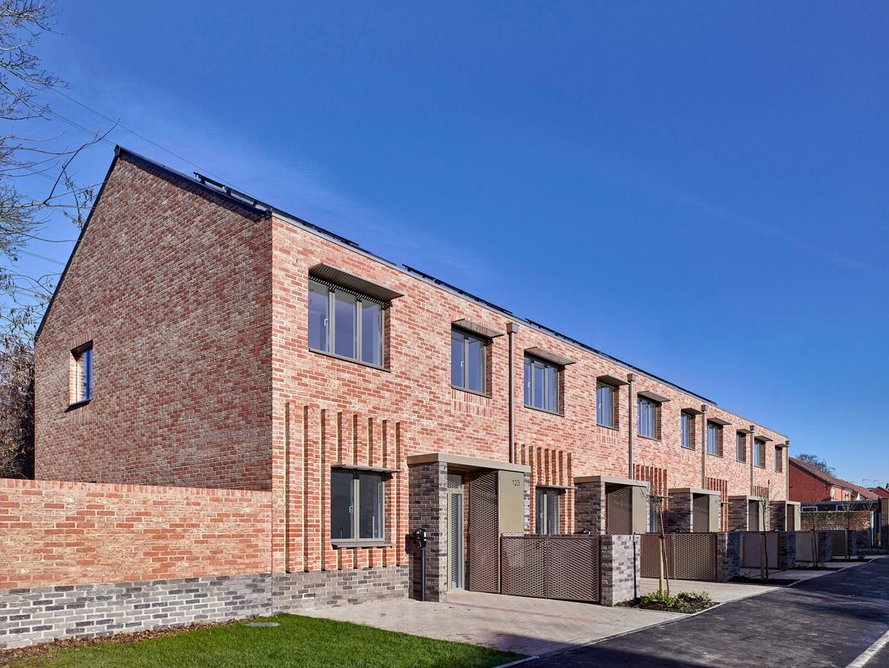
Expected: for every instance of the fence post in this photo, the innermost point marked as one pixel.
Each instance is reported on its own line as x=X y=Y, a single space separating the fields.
x=619 y=568
x=728 y=555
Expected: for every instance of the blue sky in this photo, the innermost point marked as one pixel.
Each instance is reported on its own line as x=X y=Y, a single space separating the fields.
x=698 y=189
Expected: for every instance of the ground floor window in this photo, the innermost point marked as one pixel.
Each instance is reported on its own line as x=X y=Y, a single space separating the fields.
x=548 y=510
x=356 y=505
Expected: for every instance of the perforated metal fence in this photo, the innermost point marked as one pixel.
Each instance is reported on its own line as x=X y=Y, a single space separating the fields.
x=618 y=509
x=560 y=567
x=840 y=542
x=484 y=530
x=689 y=556
x=752 y=549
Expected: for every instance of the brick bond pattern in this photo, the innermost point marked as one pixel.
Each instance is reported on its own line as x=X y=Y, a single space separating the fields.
x=589 y=507
x=59 y=533
x=216 y=386
x=621 y=568
x=41 y=614
x=428 y=509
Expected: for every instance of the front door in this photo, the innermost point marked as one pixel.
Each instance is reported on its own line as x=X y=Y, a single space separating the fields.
x=455 y=531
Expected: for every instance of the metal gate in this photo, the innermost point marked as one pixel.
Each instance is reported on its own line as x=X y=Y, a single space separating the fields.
x=700 y=522
x=805 y=546
x=751 y=549
x=690 y=556
x=484 y=547
x=840 y=542
x=560 y=567
x=618 y=509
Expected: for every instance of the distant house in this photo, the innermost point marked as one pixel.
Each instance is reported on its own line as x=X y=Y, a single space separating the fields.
x=809 y=484
x=882 y=492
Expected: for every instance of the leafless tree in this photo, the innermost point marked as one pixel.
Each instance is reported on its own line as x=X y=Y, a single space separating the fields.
x=29 y=154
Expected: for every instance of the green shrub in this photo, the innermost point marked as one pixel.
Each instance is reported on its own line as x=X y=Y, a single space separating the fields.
x=684 y=601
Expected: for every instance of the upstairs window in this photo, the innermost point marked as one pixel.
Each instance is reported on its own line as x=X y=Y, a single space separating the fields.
x=81 y=384
x=345 y=323
x=779 y=460
x=606 y=407
x=714 y=439
x=356 y=505
x=687 y=430
x=741 y=446
x=542 y=384
x=759 y=453
x=548 y=510
x=648 y=419
x=468 y=361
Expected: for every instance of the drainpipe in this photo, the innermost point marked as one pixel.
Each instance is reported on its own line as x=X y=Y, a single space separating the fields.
x=631 y=378
x=786 y=463
x=703 y=446
x=752 y=448
x=511 y=329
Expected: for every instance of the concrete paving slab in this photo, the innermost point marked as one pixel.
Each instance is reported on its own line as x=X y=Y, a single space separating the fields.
x=720 y=592
x=530 y=626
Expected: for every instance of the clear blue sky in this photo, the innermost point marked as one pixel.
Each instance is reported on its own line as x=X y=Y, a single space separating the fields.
x=700 y=189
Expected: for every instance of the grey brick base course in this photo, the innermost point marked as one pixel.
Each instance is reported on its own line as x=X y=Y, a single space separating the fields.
x=42 y=614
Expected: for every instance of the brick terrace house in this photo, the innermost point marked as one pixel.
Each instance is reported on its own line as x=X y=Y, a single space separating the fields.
x=809 y=484
x=202 y=338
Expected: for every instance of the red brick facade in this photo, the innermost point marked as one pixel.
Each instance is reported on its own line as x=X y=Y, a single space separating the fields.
x=61 y=533
x=197 y=308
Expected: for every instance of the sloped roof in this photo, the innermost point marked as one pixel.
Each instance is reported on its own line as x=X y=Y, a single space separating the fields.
x=832 y=479
x=882 y=492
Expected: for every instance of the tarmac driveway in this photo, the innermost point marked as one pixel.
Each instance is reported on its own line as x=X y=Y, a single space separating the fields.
x=828 y=621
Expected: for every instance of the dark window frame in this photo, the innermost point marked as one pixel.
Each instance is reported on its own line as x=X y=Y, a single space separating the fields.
x=330 y=325
x=543 y=497
x=485 y=342
x=741 y=442
x=779 y=459
x=687 y=430
x=655 y=406
x=529 y=381
x=83 y=371
x=759 y=447
x=356 y=503
x=717 y=429
x=612 y=414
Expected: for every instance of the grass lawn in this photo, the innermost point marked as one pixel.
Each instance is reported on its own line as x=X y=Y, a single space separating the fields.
x=298 y=641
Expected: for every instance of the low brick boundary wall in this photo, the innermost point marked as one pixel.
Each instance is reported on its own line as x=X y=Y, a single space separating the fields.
x=41 y=614
x=59 y=533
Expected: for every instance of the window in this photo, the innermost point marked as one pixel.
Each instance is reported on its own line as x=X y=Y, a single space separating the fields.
x=714 y=439
x=548 y=510
x=741 y=446
x=759 y=453
x=779 y=460
x=468 y=361
x=649 y=412
x=345 y=324
x=541 y=384
x=356 y=505
x=82 y=374
x=606 y=408
x=687 y=430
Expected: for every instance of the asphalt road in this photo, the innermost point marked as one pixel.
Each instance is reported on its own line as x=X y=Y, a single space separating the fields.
x=827 y=621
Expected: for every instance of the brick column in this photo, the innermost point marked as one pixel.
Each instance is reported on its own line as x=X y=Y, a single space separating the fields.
x=589 y=507
x=737 y=514
x=427 y=500
x=679 y=517
x=620 y=568
x=786 y=549
x=778 y=516
x=728 y=556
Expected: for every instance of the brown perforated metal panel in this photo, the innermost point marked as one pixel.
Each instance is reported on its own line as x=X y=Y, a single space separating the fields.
x=558 y=567
x=484 y=534
x=753 y=516
x=751 y=549
x=700 y=520
x=618 y=509
x=840 y=546
x=690 y=556
x=804 y=546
